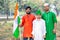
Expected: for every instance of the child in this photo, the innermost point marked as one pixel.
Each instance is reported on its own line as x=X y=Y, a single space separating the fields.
x=39 y=29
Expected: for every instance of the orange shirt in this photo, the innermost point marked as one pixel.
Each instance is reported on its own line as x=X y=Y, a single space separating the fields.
x=27 y=24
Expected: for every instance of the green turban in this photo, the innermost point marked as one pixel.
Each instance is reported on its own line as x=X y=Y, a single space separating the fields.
x=38 y=12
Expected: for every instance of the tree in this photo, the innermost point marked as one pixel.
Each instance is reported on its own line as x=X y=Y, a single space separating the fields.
x=1 y=6
x=6 y=7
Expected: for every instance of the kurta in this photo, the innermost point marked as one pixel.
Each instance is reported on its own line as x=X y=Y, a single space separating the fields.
x=50 y=19
x=27 y=23
x=39 y=29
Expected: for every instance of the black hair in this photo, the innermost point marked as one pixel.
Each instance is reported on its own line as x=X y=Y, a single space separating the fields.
x=28 y=7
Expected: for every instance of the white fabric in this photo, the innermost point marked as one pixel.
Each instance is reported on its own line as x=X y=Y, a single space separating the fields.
x=39 y=29
x=46 y=4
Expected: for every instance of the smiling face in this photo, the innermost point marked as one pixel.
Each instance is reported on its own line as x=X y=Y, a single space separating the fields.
x=28 y=10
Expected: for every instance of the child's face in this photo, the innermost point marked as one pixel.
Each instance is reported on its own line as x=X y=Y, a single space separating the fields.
x=38 y=16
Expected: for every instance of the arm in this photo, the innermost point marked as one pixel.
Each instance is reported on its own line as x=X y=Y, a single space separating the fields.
x=42 y=16
x=34 y=17
x=55 y=22
x=33 y=29
x=44 y=30
x=55 y=26
x=22 y=23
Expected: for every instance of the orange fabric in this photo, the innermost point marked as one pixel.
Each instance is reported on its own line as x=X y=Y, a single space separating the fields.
x=27 y=24
x=16 y=8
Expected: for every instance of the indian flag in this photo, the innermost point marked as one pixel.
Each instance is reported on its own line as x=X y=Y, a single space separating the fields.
x=16 y=22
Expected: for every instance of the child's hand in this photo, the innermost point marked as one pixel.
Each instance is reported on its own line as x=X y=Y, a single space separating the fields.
x=44 y=36
x=33 y=36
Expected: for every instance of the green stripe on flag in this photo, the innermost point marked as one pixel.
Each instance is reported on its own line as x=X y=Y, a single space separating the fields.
x=18 y=20
x=16 y=33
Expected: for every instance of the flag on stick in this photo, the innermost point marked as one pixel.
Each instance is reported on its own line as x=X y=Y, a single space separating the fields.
x=16 y=22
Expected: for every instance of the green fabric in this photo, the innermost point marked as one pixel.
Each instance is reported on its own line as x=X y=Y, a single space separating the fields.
x=38 y=12
x=50 y=19
x=17 y=32
x=18 y=20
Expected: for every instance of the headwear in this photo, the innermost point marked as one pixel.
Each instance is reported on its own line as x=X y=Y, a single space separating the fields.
x=46 y=4
x=38 y=12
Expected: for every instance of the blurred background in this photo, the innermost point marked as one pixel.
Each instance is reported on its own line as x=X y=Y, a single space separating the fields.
x=7 y=8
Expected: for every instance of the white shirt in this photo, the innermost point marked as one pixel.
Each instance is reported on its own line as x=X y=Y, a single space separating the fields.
x=39 y=29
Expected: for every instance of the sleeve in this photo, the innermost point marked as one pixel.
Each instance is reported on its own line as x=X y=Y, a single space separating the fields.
x=34 y=17
x=33 y=31
x=54 y=18
x=23 y=20
x=42 y=16
x=44 y=28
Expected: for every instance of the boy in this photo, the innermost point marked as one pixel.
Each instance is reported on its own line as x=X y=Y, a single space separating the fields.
x=39 y=29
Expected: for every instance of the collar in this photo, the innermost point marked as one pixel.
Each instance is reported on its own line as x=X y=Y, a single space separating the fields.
x=37 y=19
x=47 y=11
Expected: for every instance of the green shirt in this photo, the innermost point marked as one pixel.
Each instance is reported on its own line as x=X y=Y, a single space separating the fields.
x=50 y=19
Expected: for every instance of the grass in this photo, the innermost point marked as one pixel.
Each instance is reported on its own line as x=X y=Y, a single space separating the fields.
x=6 y=31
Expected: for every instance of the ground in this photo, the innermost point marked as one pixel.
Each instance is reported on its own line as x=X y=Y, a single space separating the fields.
x=7 y=27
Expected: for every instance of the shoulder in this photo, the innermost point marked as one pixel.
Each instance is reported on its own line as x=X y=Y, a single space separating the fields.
x=34 y=21
x=52 y=13
x=33 y=16
x=24 y=16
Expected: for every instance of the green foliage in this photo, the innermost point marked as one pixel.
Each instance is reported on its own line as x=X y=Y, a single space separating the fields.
x=1 y=5
x=6 y=5
x=34 y=6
